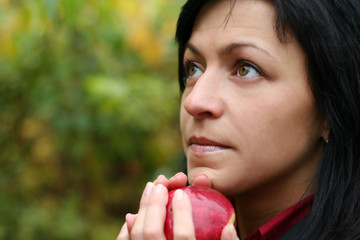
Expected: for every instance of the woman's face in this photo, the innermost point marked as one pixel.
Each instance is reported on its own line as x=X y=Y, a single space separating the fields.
x=248 y=116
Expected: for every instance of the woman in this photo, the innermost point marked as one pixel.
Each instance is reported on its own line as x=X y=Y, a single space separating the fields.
x=269 y=116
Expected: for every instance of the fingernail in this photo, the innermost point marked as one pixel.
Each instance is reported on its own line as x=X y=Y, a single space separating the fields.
x=148 y=189
x=232 y=232
x=178 y=195
x=176 y=175
x=160 y=176
x=159 y=188
x=127 y=216
x=159 y=179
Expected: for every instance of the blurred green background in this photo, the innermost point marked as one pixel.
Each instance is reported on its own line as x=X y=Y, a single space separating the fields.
x=88 y=113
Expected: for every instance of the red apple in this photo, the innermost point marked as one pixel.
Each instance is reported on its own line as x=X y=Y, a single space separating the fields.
x=212 y=211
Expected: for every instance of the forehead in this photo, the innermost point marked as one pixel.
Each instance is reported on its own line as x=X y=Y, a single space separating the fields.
x=229 y=13
x=219 y=24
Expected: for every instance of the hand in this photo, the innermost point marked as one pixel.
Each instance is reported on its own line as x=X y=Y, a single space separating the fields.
x=149 y=222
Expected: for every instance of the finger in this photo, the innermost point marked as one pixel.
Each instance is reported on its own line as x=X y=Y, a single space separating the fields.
x=161 y=179
x=130 y=221
x=156 y=213
x=124 y=234
x=229 y=233
x=202 y=180
x=182 y=215
x=137 y=229
x=177 y=181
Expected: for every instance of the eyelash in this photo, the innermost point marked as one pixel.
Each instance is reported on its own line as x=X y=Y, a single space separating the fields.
x=187 y=64
x=240 y=63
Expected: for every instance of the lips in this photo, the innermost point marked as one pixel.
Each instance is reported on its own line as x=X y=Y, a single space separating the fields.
x=201 y=145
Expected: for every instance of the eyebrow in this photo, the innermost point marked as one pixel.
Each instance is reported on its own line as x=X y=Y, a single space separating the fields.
x=228 y=49
x=193 y=49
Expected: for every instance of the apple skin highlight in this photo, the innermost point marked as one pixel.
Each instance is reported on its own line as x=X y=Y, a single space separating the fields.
x=212 y=211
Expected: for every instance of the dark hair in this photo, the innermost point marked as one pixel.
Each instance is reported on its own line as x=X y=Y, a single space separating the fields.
x=329 y=33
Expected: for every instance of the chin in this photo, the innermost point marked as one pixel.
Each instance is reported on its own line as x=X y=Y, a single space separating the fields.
x=213 y=178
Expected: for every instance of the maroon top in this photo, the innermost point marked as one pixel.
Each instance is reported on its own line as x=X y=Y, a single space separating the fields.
x=277 y=226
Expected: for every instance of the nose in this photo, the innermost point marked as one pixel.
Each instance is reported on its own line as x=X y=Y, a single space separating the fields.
x=204 y=100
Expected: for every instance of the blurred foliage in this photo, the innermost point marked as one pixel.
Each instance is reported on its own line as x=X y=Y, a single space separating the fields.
x=88 y=113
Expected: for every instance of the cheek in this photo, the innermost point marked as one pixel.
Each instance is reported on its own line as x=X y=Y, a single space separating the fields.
x=183 y=117
x=274 y=131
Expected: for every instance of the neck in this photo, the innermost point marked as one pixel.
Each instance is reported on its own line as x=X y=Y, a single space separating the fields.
x=256 y=208
x=259 y=205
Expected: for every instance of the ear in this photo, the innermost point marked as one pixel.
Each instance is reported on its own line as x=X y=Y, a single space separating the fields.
x=326 y=131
